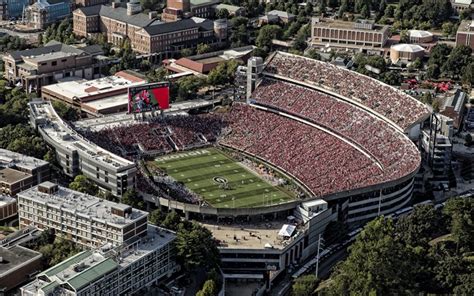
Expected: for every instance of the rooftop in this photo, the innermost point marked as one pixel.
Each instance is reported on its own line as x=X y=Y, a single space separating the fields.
x=84 y=205
x=466 y=26
x=48 y=56
x=9 y=158
x=15 y=257
x=184 y=24
x=81 y=89
x=5 y=199
x=60 y=132
x=419 y=33
x=250 y=236
x=408 y=47
x=348 y=25
x=280 y=13
x=203 y=2
x=52 y=46
x=84 y=267
x=10 y=176
x=106 y=103
x=230 y=8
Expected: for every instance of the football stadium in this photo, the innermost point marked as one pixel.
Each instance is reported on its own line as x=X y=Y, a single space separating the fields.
x=313 y=143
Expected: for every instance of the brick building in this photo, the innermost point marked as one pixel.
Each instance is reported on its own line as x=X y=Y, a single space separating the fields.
x=353 y=35
x=465 y=34
x=19 y=172
x=146 y=33
x=180 y=9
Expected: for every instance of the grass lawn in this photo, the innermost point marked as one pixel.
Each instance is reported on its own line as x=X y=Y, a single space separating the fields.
x=205 y=171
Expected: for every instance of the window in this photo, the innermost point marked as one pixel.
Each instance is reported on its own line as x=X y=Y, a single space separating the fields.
x=54 y=63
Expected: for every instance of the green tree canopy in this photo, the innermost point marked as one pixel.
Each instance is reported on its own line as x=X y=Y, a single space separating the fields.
x=376 y=264
x=209 y=289
x=265 y=36
x=304 y=285
x=82 y=184
x=196 y=247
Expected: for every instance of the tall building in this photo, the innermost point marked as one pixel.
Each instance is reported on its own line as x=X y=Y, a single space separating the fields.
x=76 y=154
x=12 y=8
x=110 y=271
x=34 y=68
x=87 y=220
x=465 y=34
x=146 y=33
x=19 y=172
x=362 y=34
x=45 y=12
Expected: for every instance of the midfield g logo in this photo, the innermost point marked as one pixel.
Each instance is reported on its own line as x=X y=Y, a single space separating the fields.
x=220 y=180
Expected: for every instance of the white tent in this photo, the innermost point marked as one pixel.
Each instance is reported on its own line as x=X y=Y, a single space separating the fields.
x=287 y=230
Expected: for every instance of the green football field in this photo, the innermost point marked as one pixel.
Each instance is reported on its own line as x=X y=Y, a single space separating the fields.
x=206 y=171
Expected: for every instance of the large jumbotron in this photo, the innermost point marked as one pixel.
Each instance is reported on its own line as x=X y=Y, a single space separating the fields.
x=309 y=131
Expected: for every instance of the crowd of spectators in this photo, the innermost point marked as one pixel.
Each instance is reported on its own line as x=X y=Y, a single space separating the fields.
x=397 y=155
x=324 y=163
x=158 y=136
x=395 y=105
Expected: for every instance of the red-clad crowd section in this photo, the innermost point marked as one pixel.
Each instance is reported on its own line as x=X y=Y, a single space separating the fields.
x=395 y=105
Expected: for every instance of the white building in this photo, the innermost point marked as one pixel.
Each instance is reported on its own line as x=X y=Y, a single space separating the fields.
x=76 y=154
x=110 y=271
x=82 y=218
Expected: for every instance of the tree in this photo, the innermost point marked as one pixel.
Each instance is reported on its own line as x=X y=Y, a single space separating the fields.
x=417 y=64
x=203 y=48
x=389 y=11
x=468 y=76
x=156 y=217
x=209 y=289
x=84 y=185
x=222 y=14
x=313 y=54
x=265 y=36
x=186 y=52
x=458 y=59
x=304 y=285
x=66 y=112
x=172 y=221
x=447 y=29
x=376 y=264
x=132 y=198
x=196 y=247
x=188 y=86
x=461 y=212
x=223 y=73
x=422 y=225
